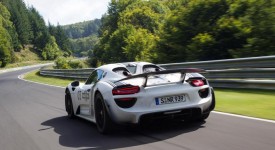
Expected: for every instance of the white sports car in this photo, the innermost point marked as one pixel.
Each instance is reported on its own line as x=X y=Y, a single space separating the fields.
x=137 y=92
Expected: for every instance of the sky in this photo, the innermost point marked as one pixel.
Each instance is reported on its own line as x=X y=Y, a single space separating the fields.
x=69 y=11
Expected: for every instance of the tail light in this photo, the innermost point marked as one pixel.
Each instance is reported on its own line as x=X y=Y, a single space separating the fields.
x=125 y=90
x=197 y=83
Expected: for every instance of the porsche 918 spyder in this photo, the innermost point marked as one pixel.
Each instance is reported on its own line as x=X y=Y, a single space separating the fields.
x=139 y=92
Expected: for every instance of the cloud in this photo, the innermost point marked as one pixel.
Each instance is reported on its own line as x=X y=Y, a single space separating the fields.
x=69 y=11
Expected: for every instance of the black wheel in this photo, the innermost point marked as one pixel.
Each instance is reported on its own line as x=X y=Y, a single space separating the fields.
x=103 y=121
x=69 y=105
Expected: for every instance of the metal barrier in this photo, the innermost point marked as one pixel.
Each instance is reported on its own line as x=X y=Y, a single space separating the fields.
x=211 y=74
x=68 y=73
x=252 y=73
x=247 y=73
x=252 y=62
x=243 y=84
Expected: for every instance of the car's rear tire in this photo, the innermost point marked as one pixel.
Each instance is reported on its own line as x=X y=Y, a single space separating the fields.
x=103 y=121
x=69 y=106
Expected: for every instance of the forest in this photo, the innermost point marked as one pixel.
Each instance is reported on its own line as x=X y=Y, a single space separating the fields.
x=166 y=31
x=159 y=31
x=22 y=26
x=83 y=36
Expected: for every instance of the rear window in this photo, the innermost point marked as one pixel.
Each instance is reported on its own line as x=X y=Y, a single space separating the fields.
x=120 y=70
x=132 y=68
x=151 y=68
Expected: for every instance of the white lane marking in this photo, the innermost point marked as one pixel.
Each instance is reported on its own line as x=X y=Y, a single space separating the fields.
x=21 y=77
x=246 y=117
x=217 y=112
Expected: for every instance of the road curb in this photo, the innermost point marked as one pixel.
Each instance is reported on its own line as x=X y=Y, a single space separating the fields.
x=21 y=77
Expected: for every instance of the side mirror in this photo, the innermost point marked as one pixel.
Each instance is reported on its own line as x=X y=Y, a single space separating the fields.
x=75 y=83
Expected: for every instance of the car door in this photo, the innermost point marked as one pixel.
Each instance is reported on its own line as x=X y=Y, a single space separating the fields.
x=87 y=92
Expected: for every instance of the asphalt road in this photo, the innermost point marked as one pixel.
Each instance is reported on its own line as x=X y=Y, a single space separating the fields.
x=33 y=118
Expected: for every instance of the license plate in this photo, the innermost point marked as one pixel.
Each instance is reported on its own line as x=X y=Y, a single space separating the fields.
x=170 y=99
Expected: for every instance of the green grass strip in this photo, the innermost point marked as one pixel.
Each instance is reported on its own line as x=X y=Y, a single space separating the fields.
x=36 y=77
x=254 y=103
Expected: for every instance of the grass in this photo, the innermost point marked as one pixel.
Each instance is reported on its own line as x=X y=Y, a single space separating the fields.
x=36 y=77
x=26 y=63
x=25 y=57
x=254 y=103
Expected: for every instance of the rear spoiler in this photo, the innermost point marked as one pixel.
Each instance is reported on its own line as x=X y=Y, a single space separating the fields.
x=183 y=71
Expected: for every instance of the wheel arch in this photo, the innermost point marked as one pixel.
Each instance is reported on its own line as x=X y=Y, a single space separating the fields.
x=107 y=106
x=67 y=91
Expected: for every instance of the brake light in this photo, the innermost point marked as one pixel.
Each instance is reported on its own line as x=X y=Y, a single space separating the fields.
x=197 y=83
x=125 y=90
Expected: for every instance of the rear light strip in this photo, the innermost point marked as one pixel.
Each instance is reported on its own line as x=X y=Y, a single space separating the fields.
x=197 y=82
x=125 y=90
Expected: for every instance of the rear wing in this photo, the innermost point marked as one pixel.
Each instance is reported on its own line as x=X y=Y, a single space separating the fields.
x=183 y=71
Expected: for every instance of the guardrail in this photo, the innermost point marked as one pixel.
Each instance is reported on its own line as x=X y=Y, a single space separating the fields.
x=250 y=73
x=211 y=74
x=67 y=73
x=251 y=62
x=243 y=84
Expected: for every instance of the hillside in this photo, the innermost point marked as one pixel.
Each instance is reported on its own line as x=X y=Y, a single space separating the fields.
x=82 y=29
x=22 y=26
x=26 y=56
x=83 y=36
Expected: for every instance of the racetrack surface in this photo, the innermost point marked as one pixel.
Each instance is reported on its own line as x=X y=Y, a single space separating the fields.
x=33 y=117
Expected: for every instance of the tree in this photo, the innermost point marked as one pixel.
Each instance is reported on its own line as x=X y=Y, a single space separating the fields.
x=121 y=36
x=62 y=39
x=5 y=38
x=186 y=29
x=40 y=31
x=257 y=19
x=140 y=45
x=81 y=46
x=5 y=47
x=51 y=51
x=20 y=18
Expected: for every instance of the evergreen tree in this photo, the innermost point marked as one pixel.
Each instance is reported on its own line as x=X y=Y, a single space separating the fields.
x=5 y=47
x=5 y=38
x=40 y=30
x=61 y=39
x=51 y=51
x=20 y=18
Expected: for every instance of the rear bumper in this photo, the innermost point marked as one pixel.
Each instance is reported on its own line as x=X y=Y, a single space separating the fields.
x=170 y=115
x=178 y=114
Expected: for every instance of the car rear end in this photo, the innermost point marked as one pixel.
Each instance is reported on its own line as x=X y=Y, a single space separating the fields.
x=134 y=101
